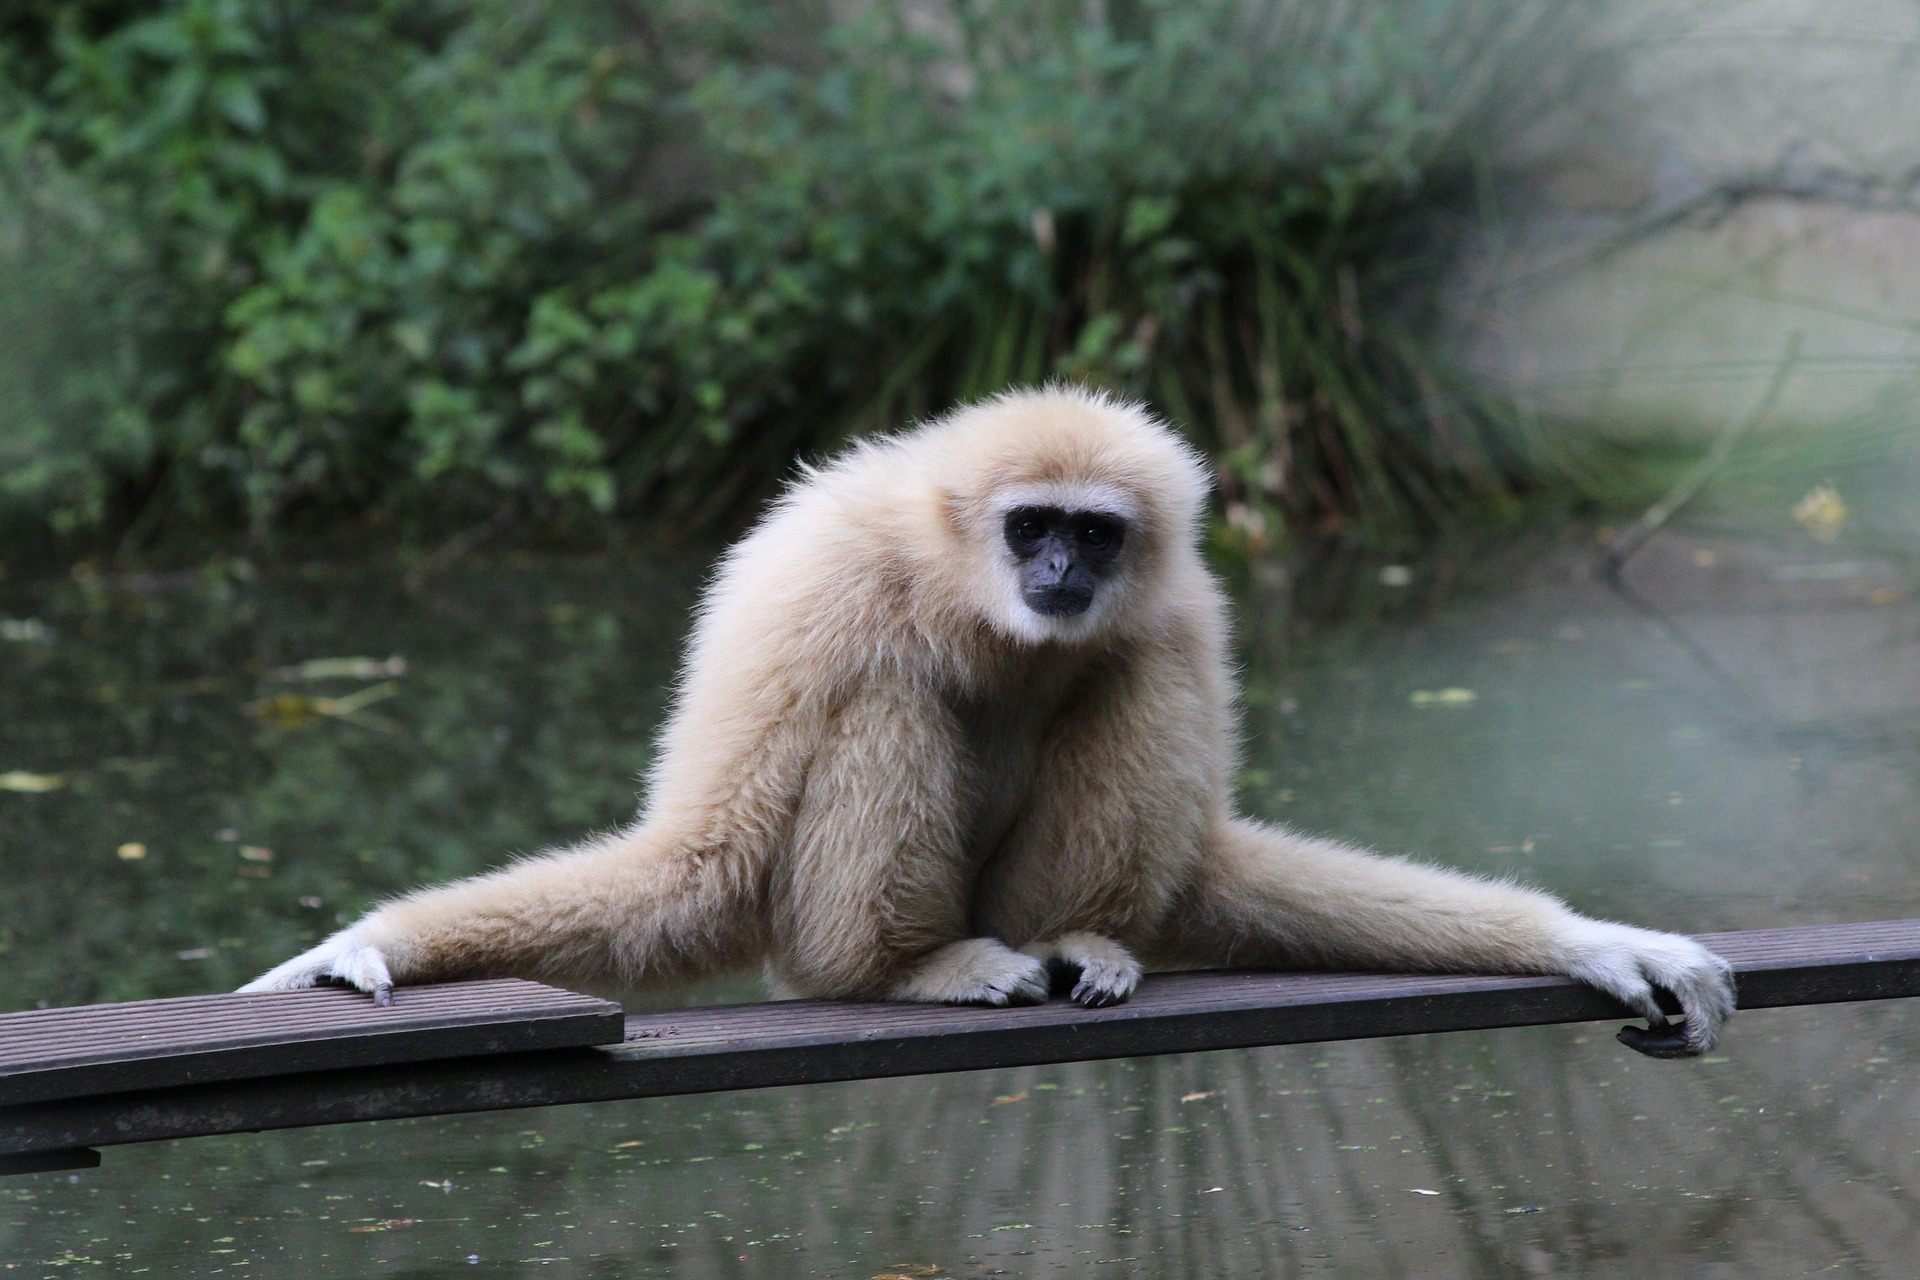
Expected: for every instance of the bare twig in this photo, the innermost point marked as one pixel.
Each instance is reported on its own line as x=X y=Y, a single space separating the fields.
x=1655 y=517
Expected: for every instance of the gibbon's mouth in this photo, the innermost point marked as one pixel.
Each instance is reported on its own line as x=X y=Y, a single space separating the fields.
x=1059 y=602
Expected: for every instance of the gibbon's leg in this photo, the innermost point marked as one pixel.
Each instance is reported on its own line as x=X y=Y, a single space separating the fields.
x=1122 y=791
x=870 y=901
x=636 y=907
x=1265 y=897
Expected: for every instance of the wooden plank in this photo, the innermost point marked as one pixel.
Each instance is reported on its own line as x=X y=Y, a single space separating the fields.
x=752 y=1046
x=47 y=1054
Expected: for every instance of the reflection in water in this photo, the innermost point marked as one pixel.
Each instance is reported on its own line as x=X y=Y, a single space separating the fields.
x=1736 y=744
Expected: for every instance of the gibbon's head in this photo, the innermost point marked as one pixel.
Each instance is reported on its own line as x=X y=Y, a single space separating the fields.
x=1073 y=511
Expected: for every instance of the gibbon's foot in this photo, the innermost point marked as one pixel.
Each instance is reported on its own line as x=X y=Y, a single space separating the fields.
x=1095 y=970
x=976 y=971
x=1638 y=966
x=343 y=958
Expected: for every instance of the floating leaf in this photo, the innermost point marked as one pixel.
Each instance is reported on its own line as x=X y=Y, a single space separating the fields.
x=1821 y=513
x=131 y=851
x=1443 y=697
x=31 y=783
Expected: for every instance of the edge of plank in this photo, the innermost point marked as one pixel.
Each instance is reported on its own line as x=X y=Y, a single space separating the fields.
x=320 y=1029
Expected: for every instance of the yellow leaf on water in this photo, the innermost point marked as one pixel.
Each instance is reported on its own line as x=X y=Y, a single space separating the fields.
x=131 y=851
x=31 y=783
x=1443 y=697
x=1822 y=512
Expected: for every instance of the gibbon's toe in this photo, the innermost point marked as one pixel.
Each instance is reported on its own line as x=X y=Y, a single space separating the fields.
x=976 y=971
x=1103 y=983
x=1095 y=970
x=1028 y=985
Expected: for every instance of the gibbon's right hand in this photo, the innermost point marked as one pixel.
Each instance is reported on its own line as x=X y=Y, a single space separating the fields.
x=344 y=958
x=1637 y=966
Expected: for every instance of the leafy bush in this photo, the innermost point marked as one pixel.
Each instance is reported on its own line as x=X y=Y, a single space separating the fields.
x=430 y=259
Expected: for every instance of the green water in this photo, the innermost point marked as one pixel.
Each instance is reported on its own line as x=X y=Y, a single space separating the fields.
x=1735 y=744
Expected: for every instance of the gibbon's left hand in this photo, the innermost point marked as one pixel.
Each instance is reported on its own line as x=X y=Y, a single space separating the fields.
x=1638 y=966
x=345 y=958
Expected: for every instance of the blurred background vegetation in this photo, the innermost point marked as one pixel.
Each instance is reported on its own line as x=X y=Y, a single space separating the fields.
x=410 y=265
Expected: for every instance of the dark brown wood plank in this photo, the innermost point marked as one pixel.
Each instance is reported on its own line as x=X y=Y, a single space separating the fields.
x=153 y=1044
x=751 y=1046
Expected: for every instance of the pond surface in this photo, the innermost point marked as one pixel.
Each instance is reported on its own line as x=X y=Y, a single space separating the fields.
x=1733 y=742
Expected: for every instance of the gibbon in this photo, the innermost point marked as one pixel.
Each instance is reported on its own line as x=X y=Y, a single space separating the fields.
x=956 y=724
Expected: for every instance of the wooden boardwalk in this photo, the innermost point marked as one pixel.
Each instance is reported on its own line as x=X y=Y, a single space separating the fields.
x=72 y=1080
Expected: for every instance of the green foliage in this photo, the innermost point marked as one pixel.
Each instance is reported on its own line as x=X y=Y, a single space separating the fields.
x=281 y=263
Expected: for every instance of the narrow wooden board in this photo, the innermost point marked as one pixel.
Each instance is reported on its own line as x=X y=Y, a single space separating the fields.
x=801 y=1042
x=47 y=1054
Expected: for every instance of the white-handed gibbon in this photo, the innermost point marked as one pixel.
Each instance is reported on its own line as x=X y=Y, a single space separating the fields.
x=956 y=724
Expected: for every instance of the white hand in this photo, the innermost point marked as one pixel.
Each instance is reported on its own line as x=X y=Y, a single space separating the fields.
x=344 y=956
x=1633 y=965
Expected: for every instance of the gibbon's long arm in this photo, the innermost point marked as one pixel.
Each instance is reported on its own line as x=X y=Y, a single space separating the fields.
x=634 y=907
x=1266 y=897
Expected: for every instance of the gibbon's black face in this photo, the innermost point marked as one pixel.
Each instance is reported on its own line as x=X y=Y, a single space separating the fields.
x=1062 y=556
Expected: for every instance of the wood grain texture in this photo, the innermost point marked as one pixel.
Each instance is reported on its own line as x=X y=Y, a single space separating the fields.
x=150 y=1044
x=756 y=1045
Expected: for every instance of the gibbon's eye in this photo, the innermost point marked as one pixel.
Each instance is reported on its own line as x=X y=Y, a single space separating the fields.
x=1101 y=534
x=1027 y=527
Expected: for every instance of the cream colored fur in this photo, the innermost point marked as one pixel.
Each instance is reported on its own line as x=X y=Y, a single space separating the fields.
x=885 y=777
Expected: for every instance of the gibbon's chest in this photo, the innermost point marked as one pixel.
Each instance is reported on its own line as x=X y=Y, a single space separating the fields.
x=1003 y=730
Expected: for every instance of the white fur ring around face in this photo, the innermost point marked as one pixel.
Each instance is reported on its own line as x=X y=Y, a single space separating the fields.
x=1635 y=965
x=344 y=957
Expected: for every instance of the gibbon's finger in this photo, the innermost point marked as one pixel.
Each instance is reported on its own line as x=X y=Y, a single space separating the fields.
x=1701 y=984
x=1620 y=978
